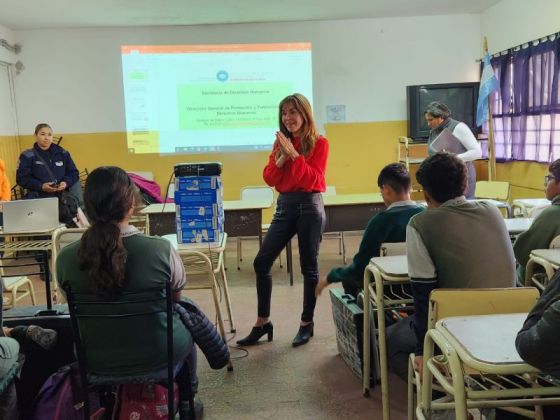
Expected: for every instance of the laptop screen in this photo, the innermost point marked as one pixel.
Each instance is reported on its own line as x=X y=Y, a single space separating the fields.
x=30 y=215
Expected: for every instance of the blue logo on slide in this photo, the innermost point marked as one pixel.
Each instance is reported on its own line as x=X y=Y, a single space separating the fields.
x=222 y=76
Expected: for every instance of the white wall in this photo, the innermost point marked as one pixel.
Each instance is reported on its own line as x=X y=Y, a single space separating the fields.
x=72 y=78
x=514 y=22
x=5 y=55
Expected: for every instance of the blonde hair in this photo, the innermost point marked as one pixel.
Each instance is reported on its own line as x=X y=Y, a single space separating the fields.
x=309 y=131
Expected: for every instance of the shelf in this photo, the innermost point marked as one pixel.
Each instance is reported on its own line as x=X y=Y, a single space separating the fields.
x=412 y=161
x=411 y=152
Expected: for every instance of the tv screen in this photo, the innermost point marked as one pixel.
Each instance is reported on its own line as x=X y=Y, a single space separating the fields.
x=461 y=99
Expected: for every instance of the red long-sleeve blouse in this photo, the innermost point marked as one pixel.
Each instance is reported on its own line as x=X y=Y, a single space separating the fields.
x=305 y=173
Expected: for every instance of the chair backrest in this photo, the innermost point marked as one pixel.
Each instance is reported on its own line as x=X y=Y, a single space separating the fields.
x=111 y=318
x=494 y=190
x=62 y=237
x=83 y=177
x=555 y=243
x=258 y=193
x=445 y=303
x=392 y=248
x=140 y=222
x=17 y=192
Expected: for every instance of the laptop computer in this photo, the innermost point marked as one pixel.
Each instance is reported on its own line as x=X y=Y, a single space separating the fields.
x=30 y=215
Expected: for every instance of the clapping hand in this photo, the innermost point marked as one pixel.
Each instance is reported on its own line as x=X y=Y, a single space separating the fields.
x=286 y=146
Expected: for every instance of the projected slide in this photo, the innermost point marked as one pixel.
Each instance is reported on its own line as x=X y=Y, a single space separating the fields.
x=209 y=98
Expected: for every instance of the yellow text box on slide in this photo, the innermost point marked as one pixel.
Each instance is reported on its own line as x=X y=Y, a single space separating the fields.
x=142 y=141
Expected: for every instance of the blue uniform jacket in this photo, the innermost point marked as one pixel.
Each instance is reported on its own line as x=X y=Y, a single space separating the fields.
x=31 y=172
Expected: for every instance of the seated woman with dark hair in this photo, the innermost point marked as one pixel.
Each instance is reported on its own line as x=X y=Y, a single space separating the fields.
x=113 y=258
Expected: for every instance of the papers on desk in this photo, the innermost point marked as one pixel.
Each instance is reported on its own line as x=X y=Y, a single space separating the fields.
x=447 y=142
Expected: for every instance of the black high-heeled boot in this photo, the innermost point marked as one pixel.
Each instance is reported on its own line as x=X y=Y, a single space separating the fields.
x=303 y=335
x=256 y=333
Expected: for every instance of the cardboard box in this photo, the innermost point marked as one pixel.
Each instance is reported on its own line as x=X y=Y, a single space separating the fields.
x=198 y=183
x=187 y=236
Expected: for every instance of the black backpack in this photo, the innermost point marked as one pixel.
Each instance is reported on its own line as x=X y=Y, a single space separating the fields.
x=67 y=209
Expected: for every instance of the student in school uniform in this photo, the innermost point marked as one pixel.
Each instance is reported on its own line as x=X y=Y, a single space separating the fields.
x=388 y=226
x=537 y=341
x=32 y=173
x=545 y=227
x=456 y=243
x=438 y=117
x=113 y=259
x=296 y=168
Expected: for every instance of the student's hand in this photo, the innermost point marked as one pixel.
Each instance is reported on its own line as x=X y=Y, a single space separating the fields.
x=419 y=364
x=49 y=188
x=62 y=186
x=320 y=286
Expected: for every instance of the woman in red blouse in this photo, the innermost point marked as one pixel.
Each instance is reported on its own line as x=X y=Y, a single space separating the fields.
x=296 y=168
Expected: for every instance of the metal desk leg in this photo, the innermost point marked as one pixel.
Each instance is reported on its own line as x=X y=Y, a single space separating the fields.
x=227 y=298
x=366 y=335
x=45 y=258
x=382 y=342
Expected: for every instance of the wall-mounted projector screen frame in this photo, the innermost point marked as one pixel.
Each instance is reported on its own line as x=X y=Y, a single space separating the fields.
x=209 y=98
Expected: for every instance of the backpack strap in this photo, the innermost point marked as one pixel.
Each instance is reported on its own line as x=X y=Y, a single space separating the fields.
x=47 y=167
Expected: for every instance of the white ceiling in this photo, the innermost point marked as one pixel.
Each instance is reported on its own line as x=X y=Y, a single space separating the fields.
x=35 y=14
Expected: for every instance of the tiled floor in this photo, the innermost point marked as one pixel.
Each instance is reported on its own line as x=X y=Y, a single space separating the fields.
x=274 y=380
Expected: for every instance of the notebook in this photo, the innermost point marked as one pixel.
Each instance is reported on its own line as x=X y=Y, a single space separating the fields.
x=447 y=142
x=30 y=215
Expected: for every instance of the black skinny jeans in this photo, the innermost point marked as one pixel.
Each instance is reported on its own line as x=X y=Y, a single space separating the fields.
x=296 y=213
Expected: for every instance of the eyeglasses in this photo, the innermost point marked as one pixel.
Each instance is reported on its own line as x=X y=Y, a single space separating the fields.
x=547 y=179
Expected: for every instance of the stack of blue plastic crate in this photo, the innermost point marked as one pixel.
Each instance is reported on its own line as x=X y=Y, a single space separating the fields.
x=199 y=209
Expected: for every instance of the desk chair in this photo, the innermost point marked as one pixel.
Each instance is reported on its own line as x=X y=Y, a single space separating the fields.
x=17 y=288
x=250 y=193
x=82 y=176
x=495 y=191
x=16 y=285
x=331 y=190
x=140 y=222
x=549 y=260
x=17 y=193
x=445 y=303
x=151 y=306
x=525 y=207
x=386 y=290
x=60 y=238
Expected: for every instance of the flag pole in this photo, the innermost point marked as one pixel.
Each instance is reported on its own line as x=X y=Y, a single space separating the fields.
x=491 y=148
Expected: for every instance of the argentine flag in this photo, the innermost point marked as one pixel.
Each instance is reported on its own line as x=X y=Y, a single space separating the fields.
x=488 y=84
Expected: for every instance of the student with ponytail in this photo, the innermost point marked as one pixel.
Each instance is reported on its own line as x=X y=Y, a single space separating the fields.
x=112 y=259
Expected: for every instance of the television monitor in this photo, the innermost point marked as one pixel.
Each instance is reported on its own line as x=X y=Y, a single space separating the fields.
x=461 y=99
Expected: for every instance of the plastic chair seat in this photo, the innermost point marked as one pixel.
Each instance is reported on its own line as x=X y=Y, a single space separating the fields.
x=17 y=288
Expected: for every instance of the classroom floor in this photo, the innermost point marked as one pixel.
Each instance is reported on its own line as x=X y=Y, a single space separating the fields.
x=274 y=380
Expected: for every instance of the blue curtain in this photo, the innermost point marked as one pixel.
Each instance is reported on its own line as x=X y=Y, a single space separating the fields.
x=526 y=108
